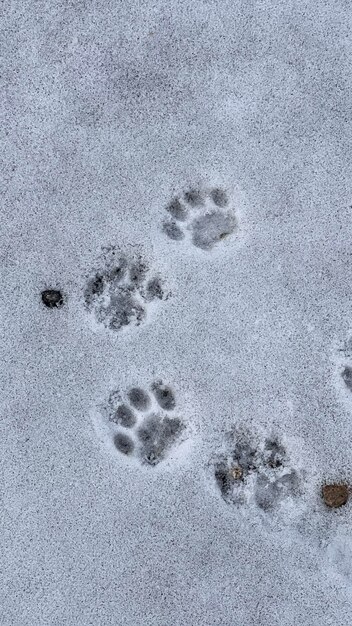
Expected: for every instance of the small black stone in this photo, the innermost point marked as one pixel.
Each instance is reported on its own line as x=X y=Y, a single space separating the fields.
x=52 y=298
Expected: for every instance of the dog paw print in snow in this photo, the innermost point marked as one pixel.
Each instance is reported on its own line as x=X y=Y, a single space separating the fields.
x=346 y=375
x=207 y=215
x=119 y=293
x=260 y=474
x=339 y=555
x=143 y=424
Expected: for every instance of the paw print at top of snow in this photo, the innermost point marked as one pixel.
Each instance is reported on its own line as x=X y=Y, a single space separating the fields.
x=142 y=425
x=119 y=293
x=207 y=214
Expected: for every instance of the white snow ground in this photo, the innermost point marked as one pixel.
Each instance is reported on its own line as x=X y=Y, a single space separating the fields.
x=110 y=110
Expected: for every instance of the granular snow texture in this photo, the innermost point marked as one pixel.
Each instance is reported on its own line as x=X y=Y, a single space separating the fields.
x=179 y=175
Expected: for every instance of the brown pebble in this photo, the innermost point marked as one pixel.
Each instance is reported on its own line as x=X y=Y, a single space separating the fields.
x=236 y=473
x=335 y=495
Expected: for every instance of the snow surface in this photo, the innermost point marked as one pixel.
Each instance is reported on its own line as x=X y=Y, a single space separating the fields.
x=110 y=111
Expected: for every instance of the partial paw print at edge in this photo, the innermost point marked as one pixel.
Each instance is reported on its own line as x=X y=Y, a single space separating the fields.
x=342 y=373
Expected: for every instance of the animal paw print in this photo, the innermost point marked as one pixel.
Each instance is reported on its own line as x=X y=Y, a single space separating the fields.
x=338 y=557
x=346 y=364
x=143 y=424
x=205 y=213
x=256 y=473
x=118 y=294
x=343 y=371
x=346 y=375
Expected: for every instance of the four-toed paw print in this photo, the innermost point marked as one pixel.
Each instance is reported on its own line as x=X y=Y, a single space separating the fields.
x=207 y=214
x=260 y=473
x=119 y=293
x=143 y=424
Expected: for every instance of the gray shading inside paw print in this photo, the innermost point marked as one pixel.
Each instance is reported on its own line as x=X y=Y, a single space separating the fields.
x=231 y=470
x=194 y=197
x=138 y=272
x=152 y=430
x=219 y=197
x=266 y=493
x=177 y=210
x=347 y=377
x=118 y=412
x=94 y=288
x=124 y=444
x=205 y=214
x=139 y=398
x=124 y=416
x=118 y=294
x=270 y=491
x=156 y=435
x=172 y=230
x=245 y=455
x=164 y=396
x=124 y=308
x=154 y=289
x=274 y=453
x=224 y=479
x=263 y=470
x=210 y=228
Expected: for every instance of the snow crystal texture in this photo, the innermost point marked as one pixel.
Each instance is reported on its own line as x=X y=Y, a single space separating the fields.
x=177 y=177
